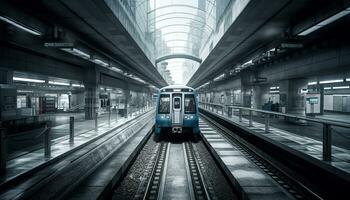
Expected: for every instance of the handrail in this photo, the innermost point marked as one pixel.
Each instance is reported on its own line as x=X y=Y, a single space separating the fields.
x=322 y=121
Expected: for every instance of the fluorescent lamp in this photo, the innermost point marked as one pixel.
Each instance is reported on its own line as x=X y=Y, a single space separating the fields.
x=274 y=91
x=347 y=79
x=77 y=85
x=331 y=81
x=109 y=89
x=341 y=87
x=28 y=80
x=76 y=52
x=20 y=26
x=325 y=22
x=219 y=77
x=327 y=88
x=117 y=69
x=58 y=83
x=25 y=91
x=102 y=88
x=100 y=62
x=312 y=83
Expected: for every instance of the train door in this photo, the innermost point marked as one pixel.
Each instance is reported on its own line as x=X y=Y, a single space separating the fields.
x=177 y=110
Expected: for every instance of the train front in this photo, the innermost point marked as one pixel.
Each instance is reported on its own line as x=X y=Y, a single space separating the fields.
x=177 y=111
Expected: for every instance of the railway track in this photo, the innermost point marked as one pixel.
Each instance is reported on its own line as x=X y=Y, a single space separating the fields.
x=174 y=170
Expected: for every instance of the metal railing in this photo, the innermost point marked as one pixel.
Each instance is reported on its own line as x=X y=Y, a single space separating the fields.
x=327 y=124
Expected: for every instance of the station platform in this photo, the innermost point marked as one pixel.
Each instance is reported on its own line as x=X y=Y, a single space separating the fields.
x=299 y=142
x=27 y=163
x=249 y=180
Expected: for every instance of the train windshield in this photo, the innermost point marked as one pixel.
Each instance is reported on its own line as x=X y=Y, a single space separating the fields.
x=164 y=104
x=190 y=106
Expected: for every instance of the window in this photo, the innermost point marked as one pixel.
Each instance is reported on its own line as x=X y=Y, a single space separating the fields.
x=164 y=104
x=177 y=103
x=21 y=101
x=190 y=105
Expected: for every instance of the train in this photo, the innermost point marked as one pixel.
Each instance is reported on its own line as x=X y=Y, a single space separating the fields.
x=177 y=110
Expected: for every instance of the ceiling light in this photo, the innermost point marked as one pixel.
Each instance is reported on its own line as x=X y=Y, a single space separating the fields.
x=341 y=87
x=25 y=91
x=20 y=26
x=77 y=85
x=219 y=77
x=117 y=69
x=58 y=83
x=347 y=79
x=274 y=91
x=327 y=88
x=28 y=80
x=76 y=52
x=331 y=81
x=312 y=83
x=100 y=62
x=325 y=22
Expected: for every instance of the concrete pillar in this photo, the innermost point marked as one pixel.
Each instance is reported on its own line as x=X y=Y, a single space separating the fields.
x=260 y=96
x=127 y=102
x=290 y=96
x=91 y=100
x=321 y=100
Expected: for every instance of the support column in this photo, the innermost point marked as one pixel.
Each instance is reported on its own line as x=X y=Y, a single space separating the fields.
x=127 y=102
x=290 y=96
x=91 y=100
x=260 y=96
x=321 y=100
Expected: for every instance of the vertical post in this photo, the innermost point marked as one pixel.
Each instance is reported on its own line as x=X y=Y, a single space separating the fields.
x=250 y=118
x=96 y=122
x=109 y=115
x=267 y=123
x=71 y=130
x=3 y=154
x=47 y=142
x=327 y=142
x=240 y=114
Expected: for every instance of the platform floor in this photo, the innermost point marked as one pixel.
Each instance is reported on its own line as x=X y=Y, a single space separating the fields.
x=27 y=160
x=251 y=181
x=305 y=139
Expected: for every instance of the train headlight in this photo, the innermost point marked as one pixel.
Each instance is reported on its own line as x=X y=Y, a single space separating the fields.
x=191 y=117
x=162 y=117
x=167 y=116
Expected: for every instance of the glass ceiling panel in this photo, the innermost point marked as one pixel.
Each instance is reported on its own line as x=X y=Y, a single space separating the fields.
x=178 y=27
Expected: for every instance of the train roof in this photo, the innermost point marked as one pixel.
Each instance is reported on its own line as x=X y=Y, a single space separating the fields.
x=176 y=87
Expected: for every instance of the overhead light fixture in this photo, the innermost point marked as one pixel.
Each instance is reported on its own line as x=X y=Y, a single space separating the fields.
x=109 y=89
x=274 y=91
x=76 y=52
x=20 y=26
x=116 y=69
x=77 y=85
x=341 y=87
x=25 y=91
x=327 y=88
x=331 y=81
x=325 y=22
x=28 y=80
x=312 y=83
x=219 y=77
x=273 y=88
x=100 y=62
x=58 y=83
x=347 y=79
